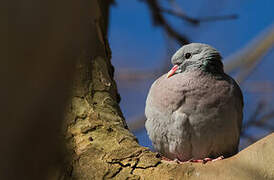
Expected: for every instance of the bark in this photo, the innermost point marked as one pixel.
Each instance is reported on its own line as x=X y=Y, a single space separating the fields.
x=100 y=144
x=96 y=134
x=45 y=38
x=40 y=47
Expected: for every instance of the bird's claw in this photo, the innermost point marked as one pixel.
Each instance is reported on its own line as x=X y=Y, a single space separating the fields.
x=170 y=160
x=205 y=160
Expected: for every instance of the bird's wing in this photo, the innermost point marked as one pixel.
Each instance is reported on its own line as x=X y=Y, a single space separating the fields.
x=239 y=103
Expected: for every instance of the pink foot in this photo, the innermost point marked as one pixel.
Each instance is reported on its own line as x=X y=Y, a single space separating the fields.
x=205 y=160
x=170 y=160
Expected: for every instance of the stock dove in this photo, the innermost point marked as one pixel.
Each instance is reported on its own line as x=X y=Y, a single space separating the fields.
x=195 y=111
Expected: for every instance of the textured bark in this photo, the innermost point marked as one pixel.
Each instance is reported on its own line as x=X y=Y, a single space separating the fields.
x=96 y=134
x=100 y=145
x=45 y=38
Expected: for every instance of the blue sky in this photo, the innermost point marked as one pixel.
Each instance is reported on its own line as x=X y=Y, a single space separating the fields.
x=137 y=44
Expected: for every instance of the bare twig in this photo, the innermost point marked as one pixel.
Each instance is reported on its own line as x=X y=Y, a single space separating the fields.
x=257 y=121
x=181 y=15
x=159 y=20
x=253 y=118
x=253 y=52
x=264 y=126
x=218 y=18
x=197 y=21
x=265 y=118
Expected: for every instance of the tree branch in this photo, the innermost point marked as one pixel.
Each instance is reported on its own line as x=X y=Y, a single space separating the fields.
x=197 y=21
x=99 y=146
x=253 y=52
x=159 y=20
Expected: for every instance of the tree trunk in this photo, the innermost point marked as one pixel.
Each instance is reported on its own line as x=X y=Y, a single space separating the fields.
x=99 y=145
x=41 y=40
x=96 y=132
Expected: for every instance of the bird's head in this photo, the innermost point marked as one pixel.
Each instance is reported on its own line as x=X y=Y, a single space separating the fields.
x=196 y=56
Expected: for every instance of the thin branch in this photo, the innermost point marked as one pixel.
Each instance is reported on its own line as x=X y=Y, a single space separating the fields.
x=265 y=126
x=253 y=52
x=197 y=21
x=253 y=118
x=266 y=117
x=159 y=20
x=181 y=15
x=218 y=18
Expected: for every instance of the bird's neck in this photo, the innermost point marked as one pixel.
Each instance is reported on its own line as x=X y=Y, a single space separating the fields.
x=210 y=66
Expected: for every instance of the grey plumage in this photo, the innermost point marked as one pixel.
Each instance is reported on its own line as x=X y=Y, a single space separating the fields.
x=197 y=112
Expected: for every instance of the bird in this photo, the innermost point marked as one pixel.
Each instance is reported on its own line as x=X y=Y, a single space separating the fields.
x=195 y=111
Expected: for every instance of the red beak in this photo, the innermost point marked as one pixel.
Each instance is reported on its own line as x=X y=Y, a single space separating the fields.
x=172 y=71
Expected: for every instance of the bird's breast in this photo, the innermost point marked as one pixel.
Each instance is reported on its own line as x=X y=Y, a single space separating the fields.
x=192 y=90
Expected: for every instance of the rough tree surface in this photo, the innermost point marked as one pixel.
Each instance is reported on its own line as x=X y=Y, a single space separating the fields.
x=44 y=40
x=100 y=144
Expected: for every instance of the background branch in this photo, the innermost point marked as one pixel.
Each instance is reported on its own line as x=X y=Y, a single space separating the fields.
x=197 y=21
x=252 y=52
x=159 y=20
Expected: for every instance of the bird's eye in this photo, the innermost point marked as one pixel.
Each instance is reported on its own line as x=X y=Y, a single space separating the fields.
x=187 y=55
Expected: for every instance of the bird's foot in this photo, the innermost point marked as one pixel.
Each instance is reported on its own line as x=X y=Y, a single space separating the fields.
x=170 y=160
x=205 y=160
